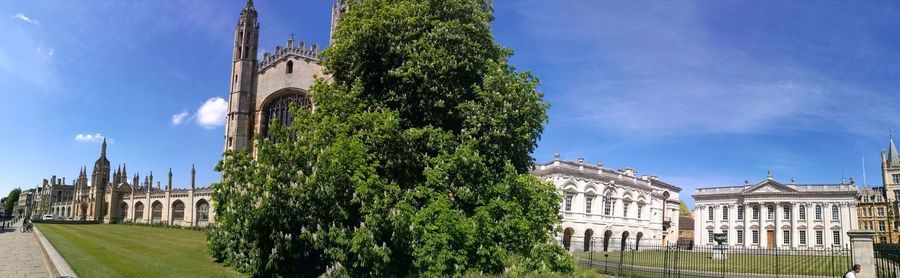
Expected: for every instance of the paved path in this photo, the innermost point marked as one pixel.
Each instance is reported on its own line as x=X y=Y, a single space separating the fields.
x=20 y=255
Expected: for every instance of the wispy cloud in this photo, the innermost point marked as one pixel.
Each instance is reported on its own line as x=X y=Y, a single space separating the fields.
x=663 y=69
x=212 y=113
x=90 y=138
x=25 y=18
x=178 y=118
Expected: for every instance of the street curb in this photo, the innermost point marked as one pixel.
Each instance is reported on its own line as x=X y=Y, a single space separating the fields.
x=57 y=266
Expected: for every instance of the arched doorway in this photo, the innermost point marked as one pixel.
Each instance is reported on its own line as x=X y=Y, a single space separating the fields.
x=567 y=238
x=624 y=240
x=177 y=212
x=588 y=238
x=139 y=212
x=606 y=237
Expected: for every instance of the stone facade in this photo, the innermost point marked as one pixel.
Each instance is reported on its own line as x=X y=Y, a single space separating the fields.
x=132 y=201
x=263 y=90
x=607 y=207
x=879 y=207
x=770 y=214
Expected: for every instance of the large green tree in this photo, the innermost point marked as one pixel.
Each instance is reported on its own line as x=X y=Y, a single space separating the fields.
x=414 y=161
x=11 y=200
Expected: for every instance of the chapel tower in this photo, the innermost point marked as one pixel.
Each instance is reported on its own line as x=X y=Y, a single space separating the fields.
x=100 y=182
x=239 y=125
x=890 y=171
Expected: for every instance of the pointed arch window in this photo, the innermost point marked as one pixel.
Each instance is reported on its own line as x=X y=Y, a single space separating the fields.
x=290 y=67
x=280 y=108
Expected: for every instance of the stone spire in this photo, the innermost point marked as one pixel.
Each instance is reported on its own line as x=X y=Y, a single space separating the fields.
x=893 y=158
x=151 y=179
x=103 y=148
x=169 y=187
x=249 y=6
x=193 y=177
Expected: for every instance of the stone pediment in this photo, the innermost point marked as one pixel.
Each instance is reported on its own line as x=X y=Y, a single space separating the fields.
x=769 y=186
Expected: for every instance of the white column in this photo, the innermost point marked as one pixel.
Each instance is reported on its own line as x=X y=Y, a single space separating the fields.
x=747 y=214
x=698 y=225
x=795 y=235
x=779 y=235
x=763 y=215
x=732 y=215
x=828 y=240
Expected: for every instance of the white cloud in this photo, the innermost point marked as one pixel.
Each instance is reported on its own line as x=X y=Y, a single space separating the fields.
x=22 y=17
x=212 y=113
x=178 y=118
x=96 y=137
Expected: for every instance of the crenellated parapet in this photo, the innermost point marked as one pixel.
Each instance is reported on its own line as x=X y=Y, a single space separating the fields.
x=302 y=50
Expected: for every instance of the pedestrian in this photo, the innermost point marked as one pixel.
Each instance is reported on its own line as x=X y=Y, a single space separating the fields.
x=853 y=271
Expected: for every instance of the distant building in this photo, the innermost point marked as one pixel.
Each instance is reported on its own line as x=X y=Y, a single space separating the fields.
x=879 y=207
x=23 y=207
x=607 y=207
x=770 y=214
x=132 y=201
x=685 y=230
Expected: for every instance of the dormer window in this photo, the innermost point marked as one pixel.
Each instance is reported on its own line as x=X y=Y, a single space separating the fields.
x=290 y=67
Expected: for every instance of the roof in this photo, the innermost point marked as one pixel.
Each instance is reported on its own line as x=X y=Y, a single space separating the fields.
x=770 y=186
x=580 y=168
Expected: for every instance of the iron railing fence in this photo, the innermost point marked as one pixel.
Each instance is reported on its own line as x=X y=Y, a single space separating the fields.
x=653 y=259
x=887 y=260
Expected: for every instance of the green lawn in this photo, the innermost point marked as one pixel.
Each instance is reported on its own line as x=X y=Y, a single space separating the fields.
x=735 y=263
x=105 y=250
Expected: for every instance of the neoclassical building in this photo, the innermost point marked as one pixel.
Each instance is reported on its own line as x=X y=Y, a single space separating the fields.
x=770 y=214
x=263 y=89
x=607 y=207
x=131 y=201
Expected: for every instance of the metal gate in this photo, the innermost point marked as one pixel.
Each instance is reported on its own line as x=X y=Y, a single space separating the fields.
x=887 y=260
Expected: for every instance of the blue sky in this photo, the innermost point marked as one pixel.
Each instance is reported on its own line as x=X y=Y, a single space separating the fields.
x=698 y=93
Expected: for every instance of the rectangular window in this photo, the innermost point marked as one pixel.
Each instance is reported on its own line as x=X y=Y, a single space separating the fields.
x=818 y=212
x=786 y=235
x=802 y=237
x=787 y=212
x=755 y=212
x=625 y=209
x=640 y=209
x=880 y=212
x=724 y=213
x=740 y=236
x=819 y=237
x=740 y=212
x=711 y=212
x=587 y=204
x=770 y=213
x=802 y=212
x=836 y=235
x=896 y=194
x=568 y=205
x=835 y=212
x=896 y=178
x=709 y=233
x=881 y=226
x=755 y=236
x=607 y=205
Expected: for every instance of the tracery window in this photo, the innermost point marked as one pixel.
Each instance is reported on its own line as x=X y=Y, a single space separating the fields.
x=178 y=211
x=156 y=212
x=138 y=211
x=280 y=109
x=202 y=211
